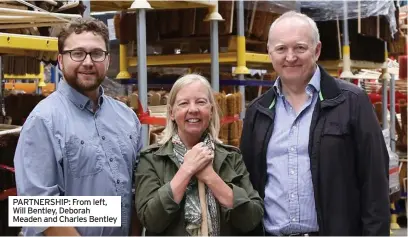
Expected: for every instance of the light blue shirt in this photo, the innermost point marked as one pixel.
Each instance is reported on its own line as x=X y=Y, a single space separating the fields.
x=289 y=199
x=65 y=149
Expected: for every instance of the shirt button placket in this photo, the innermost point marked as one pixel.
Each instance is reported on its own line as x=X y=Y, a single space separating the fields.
x=292 y=164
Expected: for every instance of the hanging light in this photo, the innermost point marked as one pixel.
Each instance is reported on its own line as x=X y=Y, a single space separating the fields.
x=140 y=4
x=213 y=14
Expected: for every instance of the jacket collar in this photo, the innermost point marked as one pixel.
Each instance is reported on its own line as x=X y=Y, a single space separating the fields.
x=329 y=95
x=166 y=150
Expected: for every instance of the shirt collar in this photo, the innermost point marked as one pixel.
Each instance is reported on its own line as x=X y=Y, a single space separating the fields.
x=78 y=99
x=314 y=82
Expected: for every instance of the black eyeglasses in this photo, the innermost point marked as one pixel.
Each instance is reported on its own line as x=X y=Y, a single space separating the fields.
x=79 y=55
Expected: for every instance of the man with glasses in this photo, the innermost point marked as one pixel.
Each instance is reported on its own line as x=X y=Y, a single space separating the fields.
x=313 y=145
x=79 y=141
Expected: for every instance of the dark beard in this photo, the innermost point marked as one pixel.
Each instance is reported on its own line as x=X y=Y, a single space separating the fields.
x=73 y=81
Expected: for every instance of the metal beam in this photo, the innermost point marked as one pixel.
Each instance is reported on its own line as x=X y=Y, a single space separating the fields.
x=142 y=68
x=28 y=42
x=189 y=59
x=241 y=59
x=392 y=112
x=215 y=66
x=384 y=104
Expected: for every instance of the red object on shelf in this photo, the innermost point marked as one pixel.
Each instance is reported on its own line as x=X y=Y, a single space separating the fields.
x=229 y=119
x=398 y=94
x=393 y=170
x=8 y=168
x=377 y=97
x=374 y=97
x=145 y=118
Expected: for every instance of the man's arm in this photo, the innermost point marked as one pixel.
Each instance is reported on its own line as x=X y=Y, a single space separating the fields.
x=136 y=226
x=373 y=168
x=37 y=169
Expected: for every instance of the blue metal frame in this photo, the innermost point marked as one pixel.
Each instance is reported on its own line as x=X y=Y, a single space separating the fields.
x=229 y=82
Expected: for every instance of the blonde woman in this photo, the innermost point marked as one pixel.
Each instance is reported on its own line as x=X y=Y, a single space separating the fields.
x=167 y=197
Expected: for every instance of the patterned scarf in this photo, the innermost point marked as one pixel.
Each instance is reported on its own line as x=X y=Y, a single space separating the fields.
x=192 y=208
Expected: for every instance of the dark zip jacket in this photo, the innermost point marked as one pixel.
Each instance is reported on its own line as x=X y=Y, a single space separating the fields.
x=348 y=158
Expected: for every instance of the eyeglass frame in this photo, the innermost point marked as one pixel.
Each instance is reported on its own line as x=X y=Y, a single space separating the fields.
x=106 y=53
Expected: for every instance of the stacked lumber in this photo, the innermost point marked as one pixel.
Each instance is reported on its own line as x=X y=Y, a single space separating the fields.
x=183 y=24
x=37 y=18
x=230 y=105
x=259 y=20
x=398 y=45
x=156 y=131
x=21 y=65
x=186 y=30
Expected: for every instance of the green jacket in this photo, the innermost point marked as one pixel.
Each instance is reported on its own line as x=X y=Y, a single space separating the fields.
x=161 y=215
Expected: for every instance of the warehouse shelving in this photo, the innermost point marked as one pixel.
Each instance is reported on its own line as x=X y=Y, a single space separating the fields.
x=23 y=45
x=17 y=17
x=141 y=7
x=41 y=47
x=255 y=60
x=241 y=59
x=39 y=78
x=17 y=44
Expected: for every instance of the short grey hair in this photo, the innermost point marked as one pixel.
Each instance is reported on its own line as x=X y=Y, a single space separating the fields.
x=171 y=126
x=293 y=14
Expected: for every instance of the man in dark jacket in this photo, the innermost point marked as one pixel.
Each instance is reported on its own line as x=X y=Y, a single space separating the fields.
x=313 y=145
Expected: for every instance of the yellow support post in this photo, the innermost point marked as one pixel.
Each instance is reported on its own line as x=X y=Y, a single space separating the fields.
x=384 y=69
x=241 y=60
x=41 y=82
x=123 y=63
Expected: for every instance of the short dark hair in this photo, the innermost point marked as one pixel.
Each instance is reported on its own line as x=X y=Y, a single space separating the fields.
x=80 y=25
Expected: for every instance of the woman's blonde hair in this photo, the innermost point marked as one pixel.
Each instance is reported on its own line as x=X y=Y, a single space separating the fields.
x=171 y=126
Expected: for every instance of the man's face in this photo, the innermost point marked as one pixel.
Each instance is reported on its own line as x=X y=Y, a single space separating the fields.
x=291 y=50
x=84 y=75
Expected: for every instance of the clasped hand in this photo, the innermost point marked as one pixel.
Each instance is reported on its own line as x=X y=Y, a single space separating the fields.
x=198 y=161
